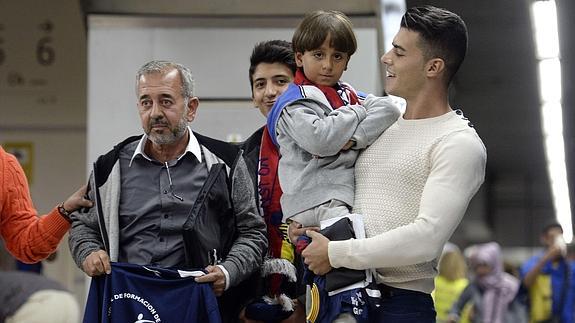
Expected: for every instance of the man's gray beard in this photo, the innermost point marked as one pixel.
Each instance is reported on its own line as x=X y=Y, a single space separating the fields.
x=169 y=138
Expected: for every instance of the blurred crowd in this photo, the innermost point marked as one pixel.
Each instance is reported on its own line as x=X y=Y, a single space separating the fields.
x=478 y=284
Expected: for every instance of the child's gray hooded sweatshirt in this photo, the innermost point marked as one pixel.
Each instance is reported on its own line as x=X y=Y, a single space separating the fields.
x=313 y=169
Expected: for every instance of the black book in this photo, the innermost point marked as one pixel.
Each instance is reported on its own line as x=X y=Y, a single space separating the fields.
x=341 y=277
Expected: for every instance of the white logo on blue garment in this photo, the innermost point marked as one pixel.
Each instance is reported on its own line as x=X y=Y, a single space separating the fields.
x=154 y=315
x=140 y=319
x=358 y=304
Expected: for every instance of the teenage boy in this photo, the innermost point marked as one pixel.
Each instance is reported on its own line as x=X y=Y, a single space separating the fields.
x=272 y=69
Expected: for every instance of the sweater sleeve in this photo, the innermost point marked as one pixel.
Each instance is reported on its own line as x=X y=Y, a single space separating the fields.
x=249 y=248
x=85 y=236
x=320 y=136
x=457 y=170
x=28 y=237
x=381 y=113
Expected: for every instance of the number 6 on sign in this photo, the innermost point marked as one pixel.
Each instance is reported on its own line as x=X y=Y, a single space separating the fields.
x=44 y=52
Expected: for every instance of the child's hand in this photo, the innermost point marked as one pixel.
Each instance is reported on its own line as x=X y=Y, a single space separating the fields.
x=296 y=229
x=348 y=145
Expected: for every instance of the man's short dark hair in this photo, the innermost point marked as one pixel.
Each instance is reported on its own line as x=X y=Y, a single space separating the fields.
x=549 y=226
x=443 y=35
x=272 y=51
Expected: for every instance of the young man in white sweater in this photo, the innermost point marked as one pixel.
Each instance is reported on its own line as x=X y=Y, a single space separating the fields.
x=414 y=183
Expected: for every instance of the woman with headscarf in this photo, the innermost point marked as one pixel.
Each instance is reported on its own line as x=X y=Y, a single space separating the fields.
x=491 y=292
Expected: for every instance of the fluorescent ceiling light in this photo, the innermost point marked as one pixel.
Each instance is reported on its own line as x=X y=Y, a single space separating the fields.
x=550 y=80
x=544 y=17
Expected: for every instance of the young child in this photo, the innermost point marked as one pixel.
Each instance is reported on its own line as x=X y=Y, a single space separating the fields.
x=320 y=124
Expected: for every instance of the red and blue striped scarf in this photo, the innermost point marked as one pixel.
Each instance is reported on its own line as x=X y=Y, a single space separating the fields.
x=338 y=95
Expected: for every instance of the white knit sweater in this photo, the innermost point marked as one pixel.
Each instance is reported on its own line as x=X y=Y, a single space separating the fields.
x=413 y=186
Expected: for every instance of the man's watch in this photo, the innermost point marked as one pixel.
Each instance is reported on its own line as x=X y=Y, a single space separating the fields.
x=64 y=213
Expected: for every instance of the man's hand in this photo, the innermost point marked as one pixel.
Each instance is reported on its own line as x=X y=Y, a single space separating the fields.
x=554 y=252
x=215 y=276
x=315 y=254
x=296 y=229
x=77 y=200
x=97 y=263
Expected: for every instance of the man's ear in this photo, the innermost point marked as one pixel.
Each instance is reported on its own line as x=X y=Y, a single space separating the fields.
x=193 y=104
x=435 y=67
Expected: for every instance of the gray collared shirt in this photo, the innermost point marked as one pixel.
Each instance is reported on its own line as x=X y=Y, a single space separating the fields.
x=152 y=214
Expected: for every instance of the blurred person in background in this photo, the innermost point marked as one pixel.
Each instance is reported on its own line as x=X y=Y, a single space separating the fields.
x=492 y=292
x=548 y=278
x=29 y=298
x=450 y=281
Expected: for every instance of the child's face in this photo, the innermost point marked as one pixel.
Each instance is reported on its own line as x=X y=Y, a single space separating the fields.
x=323 y=65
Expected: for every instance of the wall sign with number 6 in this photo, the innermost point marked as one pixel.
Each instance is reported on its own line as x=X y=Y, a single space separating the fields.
x=45 y=54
